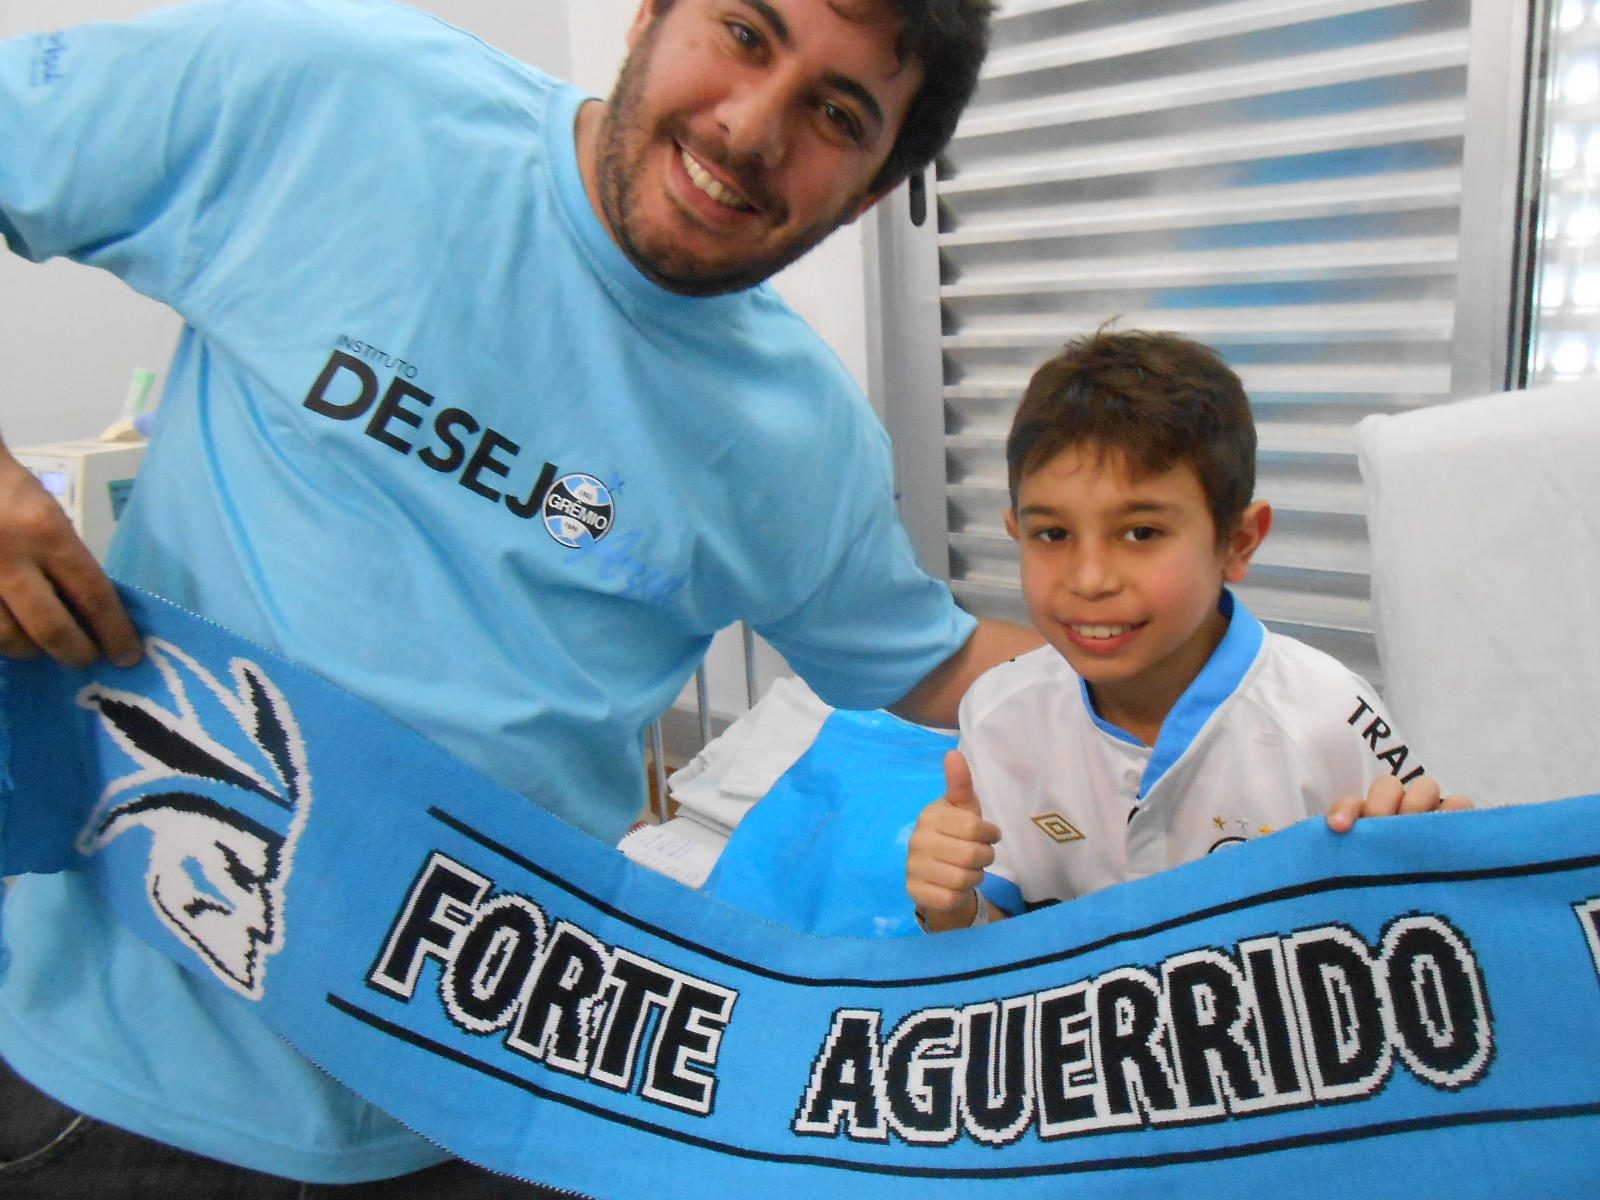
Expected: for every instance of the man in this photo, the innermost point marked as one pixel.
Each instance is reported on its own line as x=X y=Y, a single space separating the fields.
x=479 y=414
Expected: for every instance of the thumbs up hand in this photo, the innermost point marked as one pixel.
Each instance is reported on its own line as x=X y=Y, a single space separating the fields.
x=950 y=847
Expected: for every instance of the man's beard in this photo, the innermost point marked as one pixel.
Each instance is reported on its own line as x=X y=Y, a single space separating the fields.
x=618 y=176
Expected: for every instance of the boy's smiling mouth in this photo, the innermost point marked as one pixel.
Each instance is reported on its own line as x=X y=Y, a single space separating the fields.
x=1100 y=632
x=1102 y=640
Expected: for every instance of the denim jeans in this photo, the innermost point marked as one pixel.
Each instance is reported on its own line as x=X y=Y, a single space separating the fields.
x=50 y=1152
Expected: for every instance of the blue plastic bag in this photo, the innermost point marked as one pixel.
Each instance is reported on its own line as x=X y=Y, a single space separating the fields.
x=825 y=850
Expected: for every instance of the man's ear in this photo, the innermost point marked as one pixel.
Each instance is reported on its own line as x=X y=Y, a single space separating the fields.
x=641 y=21
x=865 y=204
x=1245 y=540
x=1011 y=523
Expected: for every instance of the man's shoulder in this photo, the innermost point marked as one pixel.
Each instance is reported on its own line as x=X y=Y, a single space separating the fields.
x=307 y=25
x=292 y=15
x=803 y=397
x=341 y=35
x=804 y=355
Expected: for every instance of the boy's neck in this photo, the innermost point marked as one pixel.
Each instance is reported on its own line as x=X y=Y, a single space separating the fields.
x=1140 y=705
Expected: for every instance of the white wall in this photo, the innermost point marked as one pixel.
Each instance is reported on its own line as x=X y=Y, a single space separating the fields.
x=70 y=337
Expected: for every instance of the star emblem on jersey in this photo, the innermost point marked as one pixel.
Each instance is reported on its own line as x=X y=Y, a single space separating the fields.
x=1057 y=828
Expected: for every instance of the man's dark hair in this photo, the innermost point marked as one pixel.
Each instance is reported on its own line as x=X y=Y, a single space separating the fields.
x=1158 y=399
x=949 y=40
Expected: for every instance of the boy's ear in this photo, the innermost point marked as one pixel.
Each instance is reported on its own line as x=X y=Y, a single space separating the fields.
x=1245 y=540
x=1011 y=523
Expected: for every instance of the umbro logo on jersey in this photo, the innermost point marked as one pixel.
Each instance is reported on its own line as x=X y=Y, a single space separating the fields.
x=1057 y=828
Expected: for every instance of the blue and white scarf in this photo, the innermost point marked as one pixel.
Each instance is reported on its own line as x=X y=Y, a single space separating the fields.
x=1410 y=1010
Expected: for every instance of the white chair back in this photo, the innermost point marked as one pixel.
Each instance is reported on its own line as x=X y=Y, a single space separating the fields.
x=1485 y=526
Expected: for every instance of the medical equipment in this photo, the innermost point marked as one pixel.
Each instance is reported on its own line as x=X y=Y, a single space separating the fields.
x=91 y=479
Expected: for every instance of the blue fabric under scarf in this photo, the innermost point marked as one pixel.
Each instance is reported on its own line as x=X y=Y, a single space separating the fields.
x=1410 y=1010
x=825 y=850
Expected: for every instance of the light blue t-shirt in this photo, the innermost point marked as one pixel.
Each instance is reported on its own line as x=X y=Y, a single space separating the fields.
x=430 y=434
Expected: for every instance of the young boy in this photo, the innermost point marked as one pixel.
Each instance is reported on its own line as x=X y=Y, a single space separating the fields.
x=1161 y=721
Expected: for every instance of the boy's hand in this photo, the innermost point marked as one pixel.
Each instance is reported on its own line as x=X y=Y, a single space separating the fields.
x=54 y=598
x=950 y=848
x=1389 y=798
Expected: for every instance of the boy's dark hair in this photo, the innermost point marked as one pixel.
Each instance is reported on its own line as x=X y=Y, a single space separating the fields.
x=949 y=39
x=1157 y=398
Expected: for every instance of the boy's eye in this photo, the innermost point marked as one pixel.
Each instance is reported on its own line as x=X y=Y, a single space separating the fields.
x=1050 y=533
x=1143 y=533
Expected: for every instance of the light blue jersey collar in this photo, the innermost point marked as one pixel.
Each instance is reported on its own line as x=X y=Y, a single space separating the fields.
x=1218 y=679
x=591 y=232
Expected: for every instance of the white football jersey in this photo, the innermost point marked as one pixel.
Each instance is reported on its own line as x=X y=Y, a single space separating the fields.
x=1270 y=731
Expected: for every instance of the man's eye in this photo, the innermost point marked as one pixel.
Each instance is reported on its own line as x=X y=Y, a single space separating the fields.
x=746 y=37
x=842 y=119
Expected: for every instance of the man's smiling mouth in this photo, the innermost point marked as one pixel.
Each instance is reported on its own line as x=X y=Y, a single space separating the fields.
x=704 y=180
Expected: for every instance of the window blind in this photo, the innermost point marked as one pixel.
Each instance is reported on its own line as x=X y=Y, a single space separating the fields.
x=1281 y=179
